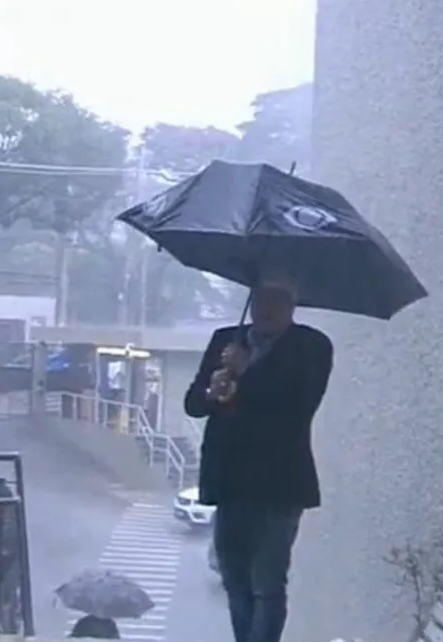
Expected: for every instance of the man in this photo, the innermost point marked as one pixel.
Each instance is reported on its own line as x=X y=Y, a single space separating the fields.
x=260 y=386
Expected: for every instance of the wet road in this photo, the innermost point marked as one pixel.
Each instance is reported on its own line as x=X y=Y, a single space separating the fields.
x=77 y=519
x=169 y=562
x=198 y=612
x=70 y=514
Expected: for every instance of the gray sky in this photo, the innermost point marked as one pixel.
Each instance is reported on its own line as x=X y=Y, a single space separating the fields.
x=136 y=62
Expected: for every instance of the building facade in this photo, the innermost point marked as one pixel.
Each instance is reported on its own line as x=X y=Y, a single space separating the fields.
x=33 y=311
x=378 y=137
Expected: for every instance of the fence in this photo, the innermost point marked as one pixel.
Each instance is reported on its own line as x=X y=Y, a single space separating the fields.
x=128 y=419
x=194 y=432
x=14 y=404
x=16 y=615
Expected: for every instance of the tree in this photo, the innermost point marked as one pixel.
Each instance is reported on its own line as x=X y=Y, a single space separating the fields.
x=95 y=285
x=180 y=293
x=182 y=150
x=419 y=570
x=280 y=130
x=174 y=293
x=49 y=128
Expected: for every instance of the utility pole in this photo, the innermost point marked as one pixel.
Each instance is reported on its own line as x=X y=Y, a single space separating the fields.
x=62 y=276
x=133 y=246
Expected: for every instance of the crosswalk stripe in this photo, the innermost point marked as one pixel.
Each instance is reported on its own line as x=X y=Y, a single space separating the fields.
x=154 y=564
x=142 y=549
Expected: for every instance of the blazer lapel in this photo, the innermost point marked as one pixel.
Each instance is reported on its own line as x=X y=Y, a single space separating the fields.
x=276 y=350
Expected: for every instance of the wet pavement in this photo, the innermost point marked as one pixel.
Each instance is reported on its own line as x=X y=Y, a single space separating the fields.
x=70 y=513
x=77 y=519
x=198 y=612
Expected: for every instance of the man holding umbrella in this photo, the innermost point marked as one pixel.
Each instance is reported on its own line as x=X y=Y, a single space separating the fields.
x=260 y=386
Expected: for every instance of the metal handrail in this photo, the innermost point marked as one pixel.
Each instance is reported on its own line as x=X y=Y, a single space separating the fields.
x=175 y=451
x=173 y=456
x=145 y=430
x=195 y=433
x=18 y=616
x=25 y=573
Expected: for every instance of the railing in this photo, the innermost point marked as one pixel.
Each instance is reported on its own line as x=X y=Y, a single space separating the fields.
x=174 y=460
x=145 y=430
x=194 y=432
x=16 y=615
x=129 y=419
x=14 y=404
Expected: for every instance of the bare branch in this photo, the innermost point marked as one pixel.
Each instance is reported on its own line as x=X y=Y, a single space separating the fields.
x=420 y=571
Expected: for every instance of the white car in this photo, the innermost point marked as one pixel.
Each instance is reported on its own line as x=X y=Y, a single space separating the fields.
x=188 y=510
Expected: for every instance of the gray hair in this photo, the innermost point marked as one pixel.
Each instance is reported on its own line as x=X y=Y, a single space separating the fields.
x=282 y=282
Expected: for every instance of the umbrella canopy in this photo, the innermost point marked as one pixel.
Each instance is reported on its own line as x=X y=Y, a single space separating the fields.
x=104 y=594
x=237 y=220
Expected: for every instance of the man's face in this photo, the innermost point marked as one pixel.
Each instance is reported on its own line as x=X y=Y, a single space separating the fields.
x=271 y=309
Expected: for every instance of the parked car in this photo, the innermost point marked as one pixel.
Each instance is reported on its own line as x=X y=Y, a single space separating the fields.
x=188 y=510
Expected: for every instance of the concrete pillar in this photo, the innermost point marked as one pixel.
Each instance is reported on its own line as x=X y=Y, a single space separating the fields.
x=378 y=123
x=38 y=378
x=178 y=370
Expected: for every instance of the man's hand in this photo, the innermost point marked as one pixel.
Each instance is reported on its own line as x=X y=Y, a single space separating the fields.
x=221 y=388
x=235 y=359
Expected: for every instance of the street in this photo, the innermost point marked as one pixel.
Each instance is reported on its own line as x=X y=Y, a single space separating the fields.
x=75 y=520
x=198 y=611
x=170 y=562
x=70 y=513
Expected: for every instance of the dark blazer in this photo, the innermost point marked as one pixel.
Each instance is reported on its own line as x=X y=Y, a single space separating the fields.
x=258 y=446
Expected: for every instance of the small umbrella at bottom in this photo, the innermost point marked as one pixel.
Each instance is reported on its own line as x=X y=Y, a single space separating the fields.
x=105 y=594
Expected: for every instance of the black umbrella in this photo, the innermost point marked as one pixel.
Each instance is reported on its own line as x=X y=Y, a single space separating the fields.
x=236 y=220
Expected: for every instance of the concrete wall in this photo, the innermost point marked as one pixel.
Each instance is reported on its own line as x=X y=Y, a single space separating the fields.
x=33 y=310
x=378 y=136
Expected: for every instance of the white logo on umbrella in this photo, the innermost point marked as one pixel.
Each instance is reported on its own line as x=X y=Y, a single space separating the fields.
x=309 y=218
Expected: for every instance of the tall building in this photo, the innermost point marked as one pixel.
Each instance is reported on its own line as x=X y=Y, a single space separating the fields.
x=378 y=137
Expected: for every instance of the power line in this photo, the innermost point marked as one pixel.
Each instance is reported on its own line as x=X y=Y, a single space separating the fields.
x=71 y=168
x=46 y=172
x=39 y=169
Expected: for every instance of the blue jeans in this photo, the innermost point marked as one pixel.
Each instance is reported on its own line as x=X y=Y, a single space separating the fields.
x=253 y=545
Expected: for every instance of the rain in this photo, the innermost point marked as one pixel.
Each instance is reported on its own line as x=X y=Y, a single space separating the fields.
x=108 y=111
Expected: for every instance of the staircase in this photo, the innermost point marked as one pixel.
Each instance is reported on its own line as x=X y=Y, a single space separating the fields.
x=178 y=457
x=192 y=460
x=183 y=467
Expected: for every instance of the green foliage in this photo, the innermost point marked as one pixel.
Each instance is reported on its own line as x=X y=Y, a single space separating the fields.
x=105 y=272
x=95 y=283
x=186 y=149
x=280 y=130
x=174 y=293
x=49 y=128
